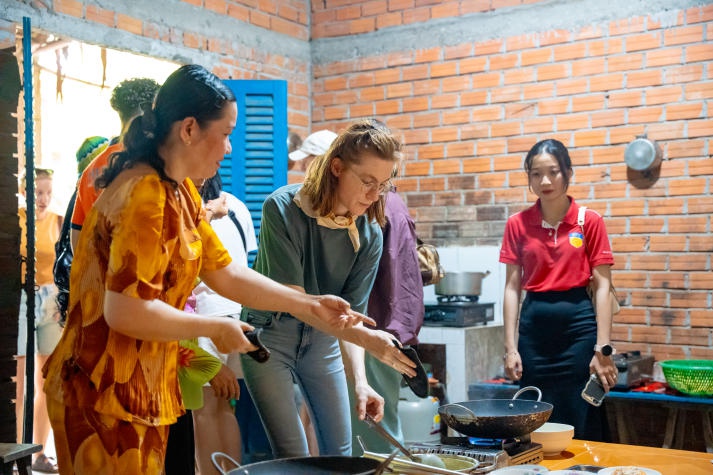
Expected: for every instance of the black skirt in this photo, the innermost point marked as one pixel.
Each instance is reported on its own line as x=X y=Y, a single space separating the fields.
x=557 y=334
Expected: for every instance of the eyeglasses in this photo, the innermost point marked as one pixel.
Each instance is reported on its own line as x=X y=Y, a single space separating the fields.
x=371 y=186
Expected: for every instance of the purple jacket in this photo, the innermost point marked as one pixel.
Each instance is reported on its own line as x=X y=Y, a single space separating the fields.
x=396 y=300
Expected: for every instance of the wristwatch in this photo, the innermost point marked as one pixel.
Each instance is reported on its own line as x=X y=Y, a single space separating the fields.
x=605 y=350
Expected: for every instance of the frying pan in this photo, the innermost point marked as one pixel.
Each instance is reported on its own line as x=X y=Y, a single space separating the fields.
x=497 y=418
x=323 y=465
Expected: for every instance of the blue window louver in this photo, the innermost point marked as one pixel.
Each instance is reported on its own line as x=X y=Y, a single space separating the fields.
x=258 y=164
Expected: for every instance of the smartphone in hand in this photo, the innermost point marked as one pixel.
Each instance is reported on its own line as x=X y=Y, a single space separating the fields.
x=593 y=391
x=262 y=354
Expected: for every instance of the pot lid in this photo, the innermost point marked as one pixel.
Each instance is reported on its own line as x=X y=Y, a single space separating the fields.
x=642 y=154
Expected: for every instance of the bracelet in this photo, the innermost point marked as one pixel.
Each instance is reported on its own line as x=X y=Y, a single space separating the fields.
x=505 y=356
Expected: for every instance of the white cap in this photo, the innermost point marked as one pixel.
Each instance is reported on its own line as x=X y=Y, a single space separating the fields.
x=315 y=144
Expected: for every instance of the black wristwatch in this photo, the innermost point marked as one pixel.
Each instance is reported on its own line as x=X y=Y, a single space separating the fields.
x=605 y=350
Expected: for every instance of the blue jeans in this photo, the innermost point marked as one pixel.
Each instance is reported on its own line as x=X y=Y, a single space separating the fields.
x=255 y=446
x=312 y=359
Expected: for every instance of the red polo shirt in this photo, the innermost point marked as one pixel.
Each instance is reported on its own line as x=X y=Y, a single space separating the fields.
x=555 y=258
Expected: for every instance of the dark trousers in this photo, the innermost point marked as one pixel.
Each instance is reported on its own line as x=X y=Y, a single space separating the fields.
x=558 y=331
x=180 y=450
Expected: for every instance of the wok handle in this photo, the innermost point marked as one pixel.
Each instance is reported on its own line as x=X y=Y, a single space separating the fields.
x=529 y=388
x=217 y=456
x=447 y=407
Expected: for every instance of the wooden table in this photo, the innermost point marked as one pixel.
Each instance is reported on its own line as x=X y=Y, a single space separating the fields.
x=619 y=404
x=677 y=405
x=666 y=461
x=17 y=454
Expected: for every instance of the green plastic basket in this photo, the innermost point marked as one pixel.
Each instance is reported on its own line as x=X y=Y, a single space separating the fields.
x=692 y=377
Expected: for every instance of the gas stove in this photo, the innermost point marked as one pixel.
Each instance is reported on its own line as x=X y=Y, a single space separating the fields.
x=634 y=369
x=458 y=311
x=491 y=453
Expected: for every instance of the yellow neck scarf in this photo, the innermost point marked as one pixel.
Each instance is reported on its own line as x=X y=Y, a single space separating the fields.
x=330 y=221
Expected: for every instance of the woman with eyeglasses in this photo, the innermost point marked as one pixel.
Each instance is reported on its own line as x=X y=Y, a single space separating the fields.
x=324 y=235
x=112 y=381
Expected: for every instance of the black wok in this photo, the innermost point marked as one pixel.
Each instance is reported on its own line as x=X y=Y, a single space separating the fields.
x=323 y=465
x=497 y=418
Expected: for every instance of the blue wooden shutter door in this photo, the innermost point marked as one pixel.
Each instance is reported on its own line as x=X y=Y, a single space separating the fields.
x=258 y=164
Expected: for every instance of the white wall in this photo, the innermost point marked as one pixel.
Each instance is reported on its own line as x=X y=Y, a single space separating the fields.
x=475 y=353
x=475 y=259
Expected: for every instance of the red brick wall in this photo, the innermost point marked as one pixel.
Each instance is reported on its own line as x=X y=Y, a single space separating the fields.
x=289 y=17
x=331 y=18
x=469 y=113
x=128 y=29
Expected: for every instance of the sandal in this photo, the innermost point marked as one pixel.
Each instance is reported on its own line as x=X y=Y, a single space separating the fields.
x=45 y=464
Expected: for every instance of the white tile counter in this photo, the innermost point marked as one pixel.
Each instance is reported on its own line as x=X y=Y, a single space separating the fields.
x=473 y=354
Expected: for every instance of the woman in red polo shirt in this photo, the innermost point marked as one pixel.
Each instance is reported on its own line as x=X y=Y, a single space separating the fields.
x=546 y=254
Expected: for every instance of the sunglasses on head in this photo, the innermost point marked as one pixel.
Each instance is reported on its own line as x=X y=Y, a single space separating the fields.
x=43 y=171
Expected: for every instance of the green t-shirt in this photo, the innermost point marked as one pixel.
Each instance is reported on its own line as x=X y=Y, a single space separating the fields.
x=295 y=250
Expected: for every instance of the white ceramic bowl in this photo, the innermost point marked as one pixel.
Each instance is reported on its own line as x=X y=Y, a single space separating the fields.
x=553 y=436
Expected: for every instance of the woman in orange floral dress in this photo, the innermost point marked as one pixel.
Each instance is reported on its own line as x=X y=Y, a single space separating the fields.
x=111 y=383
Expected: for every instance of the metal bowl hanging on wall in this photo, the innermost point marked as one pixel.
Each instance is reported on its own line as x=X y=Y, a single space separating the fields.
x=643 y=154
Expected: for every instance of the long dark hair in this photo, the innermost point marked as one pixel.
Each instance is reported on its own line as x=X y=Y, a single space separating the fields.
x=557 y=150
x=190 y=91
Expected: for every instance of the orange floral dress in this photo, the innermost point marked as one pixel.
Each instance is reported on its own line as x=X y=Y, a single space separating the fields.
x=117 y=394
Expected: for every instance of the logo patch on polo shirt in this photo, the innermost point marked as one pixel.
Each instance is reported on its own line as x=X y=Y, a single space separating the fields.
x=576 y=239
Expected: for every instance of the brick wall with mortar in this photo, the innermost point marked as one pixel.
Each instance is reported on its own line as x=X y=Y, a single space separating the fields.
x=248 y=39
x=472 y=92
x=471 y=85
x=332 y=18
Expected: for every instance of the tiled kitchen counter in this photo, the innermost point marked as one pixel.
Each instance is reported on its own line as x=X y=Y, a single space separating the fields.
x=472 y=354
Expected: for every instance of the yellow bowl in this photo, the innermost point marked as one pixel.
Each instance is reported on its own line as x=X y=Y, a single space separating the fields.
x=554 y=437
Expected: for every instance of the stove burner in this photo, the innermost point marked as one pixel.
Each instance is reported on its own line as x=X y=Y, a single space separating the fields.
x=458 y=313
x=503 y=453
x=511 y=445
x=485 y=443
x=457 y=298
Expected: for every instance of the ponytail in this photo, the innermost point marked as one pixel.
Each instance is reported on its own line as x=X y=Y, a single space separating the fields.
x=140 y=146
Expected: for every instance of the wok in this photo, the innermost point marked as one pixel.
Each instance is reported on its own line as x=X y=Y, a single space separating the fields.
x=323 y=465
x=497 y=418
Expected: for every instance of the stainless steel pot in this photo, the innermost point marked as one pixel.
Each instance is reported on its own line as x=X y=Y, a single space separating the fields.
x=461 y=283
